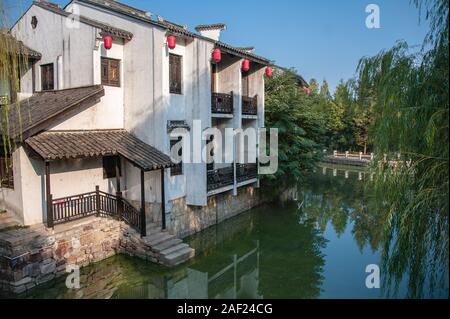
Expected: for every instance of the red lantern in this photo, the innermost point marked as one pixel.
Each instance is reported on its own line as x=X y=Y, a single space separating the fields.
x=269 y=71
x=171 y=42
x=217 y=55
x=107 y=42
x=245 y=65
x=306 y=90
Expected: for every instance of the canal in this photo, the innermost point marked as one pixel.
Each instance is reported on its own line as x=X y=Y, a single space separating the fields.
x=315 y=245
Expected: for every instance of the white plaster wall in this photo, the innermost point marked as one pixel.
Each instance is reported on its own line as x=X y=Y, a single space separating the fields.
x=72 y=52
x=148 y=104
x=11 y=199
x=67 y=178
x=109 y=112
x=52 y=38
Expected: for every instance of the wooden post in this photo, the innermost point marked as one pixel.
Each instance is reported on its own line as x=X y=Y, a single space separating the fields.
x=49 y=196
x=232 y=102
x=119 y=206
x=163 y=201
x=97 y=200
x=143 y=221
x=118 y=174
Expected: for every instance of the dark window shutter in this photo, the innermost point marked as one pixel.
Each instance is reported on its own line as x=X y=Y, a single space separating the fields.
x=175 y=73
x=47 y=79
x=109 y=167
x=105 y=66
x=245 y=85
x=178 y=168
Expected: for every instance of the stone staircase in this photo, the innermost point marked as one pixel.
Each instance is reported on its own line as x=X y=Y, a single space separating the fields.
x=169 y=250
x=7 y=220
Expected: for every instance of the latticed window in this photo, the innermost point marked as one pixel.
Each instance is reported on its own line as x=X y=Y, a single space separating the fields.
x=175 y=73
x=6 y=172
x=110 y=72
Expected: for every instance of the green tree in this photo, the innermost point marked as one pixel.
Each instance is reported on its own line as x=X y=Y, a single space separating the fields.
x=412 y=117
x=289 y=109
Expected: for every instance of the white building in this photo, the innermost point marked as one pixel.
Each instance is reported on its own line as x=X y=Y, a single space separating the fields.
x=91 y=116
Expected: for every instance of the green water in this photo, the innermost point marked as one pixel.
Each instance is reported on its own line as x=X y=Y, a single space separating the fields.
x=316 y=245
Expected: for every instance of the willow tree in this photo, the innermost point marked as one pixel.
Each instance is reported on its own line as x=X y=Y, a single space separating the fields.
x=13 y=58
x=412 y=109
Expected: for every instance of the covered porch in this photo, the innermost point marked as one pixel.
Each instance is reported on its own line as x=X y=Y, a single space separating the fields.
x=56 y=147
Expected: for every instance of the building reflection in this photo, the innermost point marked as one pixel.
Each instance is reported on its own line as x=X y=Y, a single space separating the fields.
x=239 y=279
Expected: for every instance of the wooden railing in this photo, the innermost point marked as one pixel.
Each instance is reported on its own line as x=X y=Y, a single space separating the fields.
x=245 y=172
x=250 y=105
x=220 y=178
x=131 y=215
x=67 y=209
x=222 y=103
x=352 y=155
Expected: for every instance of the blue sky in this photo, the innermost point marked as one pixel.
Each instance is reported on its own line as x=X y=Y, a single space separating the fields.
x=322 y=39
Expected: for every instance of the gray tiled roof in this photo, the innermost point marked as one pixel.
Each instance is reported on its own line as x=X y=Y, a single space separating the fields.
x=61 y=145
x=171 y=27
x=214 y=26
x=94 y=23
x=29 y=116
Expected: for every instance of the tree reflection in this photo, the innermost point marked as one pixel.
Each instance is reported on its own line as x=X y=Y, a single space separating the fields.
x=412 y=252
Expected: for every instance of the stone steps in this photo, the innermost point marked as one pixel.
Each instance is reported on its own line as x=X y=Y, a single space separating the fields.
x=153 y=229
x=178 y=257
x=169 y=250
x=167 y=244
x=173 y=249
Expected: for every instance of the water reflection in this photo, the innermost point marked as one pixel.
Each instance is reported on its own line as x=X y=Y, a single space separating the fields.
x=315 y=244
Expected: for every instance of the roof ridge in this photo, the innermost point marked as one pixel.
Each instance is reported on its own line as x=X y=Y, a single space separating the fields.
x=94 y=23
x=212 y=26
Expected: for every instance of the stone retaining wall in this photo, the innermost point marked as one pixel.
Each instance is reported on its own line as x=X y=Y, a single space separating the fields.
x=187 y=220
x=33 y=256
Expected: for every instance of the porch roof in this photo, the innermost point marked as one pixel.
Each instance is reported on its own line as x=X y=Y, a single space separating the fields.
x=38 y=112
x=61 y=145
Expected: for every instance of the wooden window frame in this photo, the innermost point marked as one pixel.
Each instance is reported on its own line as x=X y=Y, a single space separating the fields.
x=46 y=86
x=109 y=63
x=177 y=170
x=6 y=175
x=175 y=76
x=109 y=167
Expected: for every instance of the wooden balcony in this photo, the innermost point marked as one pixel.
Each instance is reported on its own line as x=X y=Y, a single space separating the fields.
x=220 y=178
x=245 y=172
x=250 y=105
x=222 y=103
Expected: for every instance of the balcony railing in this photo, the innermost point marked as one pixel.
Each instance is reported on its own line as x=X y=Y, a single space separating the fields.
x=222 y=103
x=96 y=203
x=220 y=178
x=250 y=105
x=245 y=172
